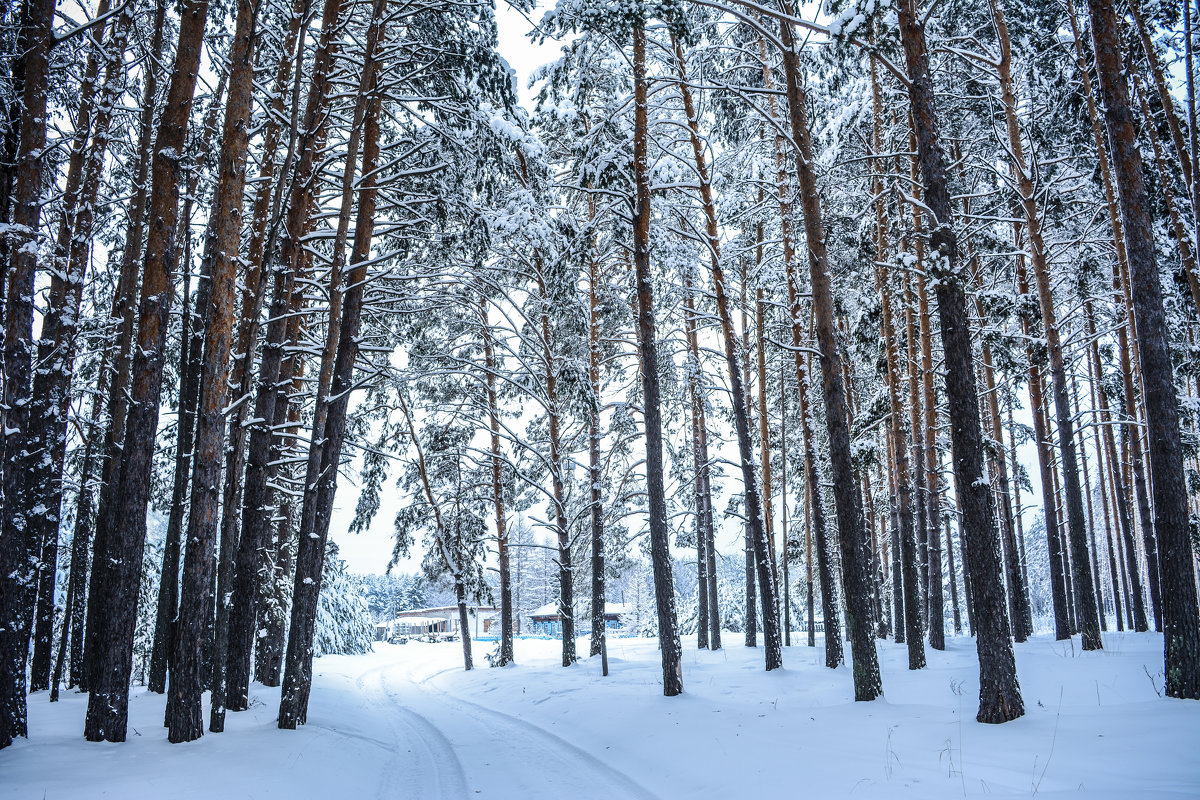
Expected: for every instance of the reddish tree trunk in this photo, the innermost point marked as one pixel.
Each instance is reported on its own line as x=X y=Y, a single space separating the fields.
x=1181 y=618
x=116 y=599
x=664 y=585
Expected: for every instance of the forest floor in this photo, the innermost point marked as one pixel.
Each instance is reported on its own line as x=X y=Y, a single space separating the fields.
x=407 y=722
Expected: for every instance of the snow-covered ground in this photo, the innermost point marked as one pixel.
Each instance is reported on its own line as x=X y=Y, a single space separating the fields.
x=407 y=722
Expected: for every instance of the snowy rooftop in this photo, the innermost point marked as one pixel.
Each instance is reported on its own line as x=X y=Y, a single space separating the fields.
x=550 y=609
x=419 y=621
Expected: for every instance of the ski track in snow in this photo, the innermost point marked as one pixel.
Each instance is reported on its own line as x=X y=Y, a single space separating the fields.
x=474 y=750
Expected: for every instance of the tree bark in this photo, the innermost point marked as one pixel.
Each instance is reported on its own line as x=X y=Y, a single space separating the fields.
x=184 y=720
x=855 y=556
x=710 y=613
x=1062 y=623
x=756 y=527
x=123 y=321
x=270 y=402
x=333 y=391
x=502 y=548
x=660 y=553
x=999 y=693
x=250 y=565
x=1085 y=591
x=18 y=577
x=51 y=391
x=116 y=599
x=914 y=634
x=595 y=492
x=1121 y=504
x=1181 y=618
x=566 y=569
x=937 y=624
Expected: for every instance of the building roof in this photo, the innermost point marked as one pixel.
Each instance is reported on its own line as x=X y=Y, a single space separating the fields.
x=551 y=610
x=548 y=610
x=440 y=610
x=419 y=621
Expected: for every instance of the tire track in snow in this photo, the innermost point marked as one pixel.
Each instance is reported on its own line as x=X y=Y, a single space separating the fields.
x=432 y=771
x=555 y=767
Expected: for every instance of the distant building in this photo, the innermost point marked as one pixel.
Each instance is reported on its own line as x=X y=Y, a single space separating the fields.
x=547 y=619
x=442 y=619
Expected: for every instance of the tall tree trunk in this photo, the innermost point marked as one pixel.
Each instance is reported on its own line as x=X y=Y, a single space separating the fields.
x=967 y=600
x=756 y=527
x=703 y=621
x=1181 y=618
x=660 y=554
x=1018 y=596
x=1104 y=477
x=764 y=435
x=184 y=720
x=273 y=593
x=71 y=647
x=191 y=364
x=268 y=664
x=1122 y=296
x=566 y=569
x=1094 y=554
x=333 y=389
x=195 y=319
x=123 y=321
x=935 y=604
x=1019 y=610
x=18 y=577
x=117 y=597
x=816 y=511
x=1017 y=511
x=50 y=397
x=270 y=403
x=1062 y=624
x=706 y=529
x=703 y=489
x=1085 y=590
x=953 y=576
x=808 y=568
x=74 y=613
x=596 y=494
x=855 y=556
x=914 y=634
x=502 y=547
x=251 y=576
x=168 y=585
x=753 y=615
x=937 y=624
x=1064 y=550
x=999 y=692
x=893 y=527
x=1121 y=503
x=786 y=586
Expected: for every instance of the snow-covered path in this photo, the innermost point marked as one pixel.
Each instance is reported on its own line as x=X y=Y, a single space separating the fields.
x=457 y=745
x=407 y=722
